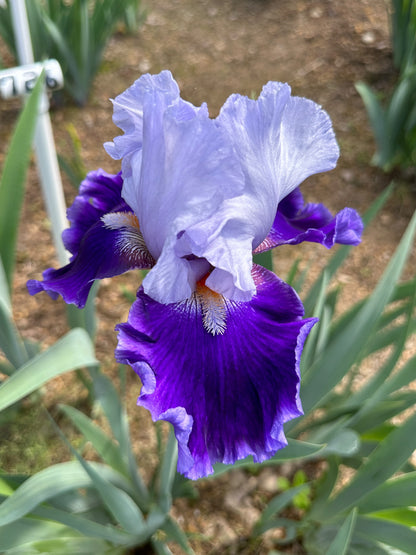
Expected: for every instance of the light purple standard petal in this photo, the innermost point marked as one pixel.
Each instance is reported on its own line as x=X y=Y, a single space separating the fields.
x=296 y=222
x=227 y=391
x=128 y=111
x=157 y=92
x=280 y=140
x=186 y=171
x=99 y=193
x=206 y=191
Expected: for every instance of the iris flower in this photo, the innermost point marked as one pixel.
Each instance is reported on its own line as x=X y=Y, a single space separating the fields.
x=215 y=339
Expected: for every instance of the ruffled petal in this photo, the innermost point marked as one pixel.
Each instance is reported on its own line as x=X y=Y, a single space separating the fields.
x=209 y=189
x=128 y=110
x=224 y=373
x=186 y=171
x=280 y=140
x=307 y=142
x=227 y=249
x=149 y=95
x=128 y=116
x=296 y=222
x=99 y=193
x=110 y=247
x=253 y=128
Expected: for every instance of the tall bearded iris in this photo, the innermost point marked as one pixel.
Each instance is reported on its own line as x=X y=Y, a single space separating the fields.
x=215 y=339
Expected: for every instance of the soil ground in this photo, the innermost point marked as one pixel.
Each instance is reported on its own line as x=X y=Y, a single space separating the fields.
x=215 y=48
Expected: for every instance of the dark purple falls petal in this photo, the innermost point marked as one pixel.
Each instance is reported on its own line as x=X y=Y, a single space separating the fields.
x=103 y=252
x=296 y=222
x=227 y=395
x=99 y=193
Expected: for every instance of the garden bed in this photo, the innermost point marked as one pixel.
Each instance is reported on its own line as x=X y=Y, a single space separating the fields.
x=215 y=48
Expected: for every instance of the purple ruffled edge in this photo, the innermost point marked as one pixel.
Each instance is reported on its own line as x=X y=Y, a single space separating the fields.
x=296 y=222
x=200 y=389
x=98 y=251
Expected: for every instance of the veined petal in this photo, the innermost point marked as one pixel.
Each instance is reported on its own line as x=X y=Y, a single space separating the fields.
x=110 y=247
x=178 y=168
x=174 y=277
x=209 y=189
x=228 y=251
x=280 y=140
x=128 y=113
x=187 y=171
x=296 y=222
x=254 y=130
x=150 y=93
x=308 y=143
x=224 y=373
x=99 y=193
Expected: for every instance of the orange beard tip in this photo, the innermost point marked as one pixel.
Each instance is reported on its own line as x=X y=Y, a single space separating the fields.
x=213 y=308
x=117 y=220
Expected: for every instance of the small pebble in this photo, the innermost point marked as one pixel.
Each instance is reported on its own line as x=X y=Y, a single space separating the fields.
x=316 y=12
x=368 y=37
x=144 y=65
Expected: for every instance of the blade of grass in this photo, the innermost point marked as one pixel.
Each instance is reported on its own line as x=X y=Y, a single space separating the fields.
x=52 y=482
x=342 y=353
x=390 y=533
x=167 y=472
x=175 y=533
x=342 y=253
x=74 y=350
x=377 y=117
x=384 y=410
x=342 y=540
x=66 y=544
x=4 y=291
x=311 y=342
x=401 y=378
x=11 y=343
x=106 y=395
x=397 y=492
x=277 y=504
x=84 y=526
x=117 y=501
x=12 y=182
x=15 y=534
x=326 y=484
x=102 y=443
x=384 y=461
x=402 y=515
x=374 y=390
